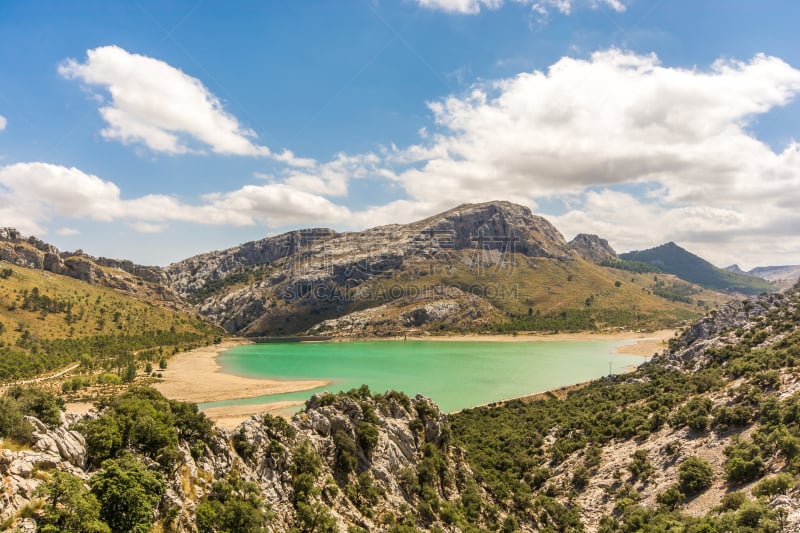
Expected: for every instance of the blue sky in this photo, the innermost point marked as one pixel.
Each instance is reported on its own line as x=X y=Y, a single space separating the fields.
x=157 y=130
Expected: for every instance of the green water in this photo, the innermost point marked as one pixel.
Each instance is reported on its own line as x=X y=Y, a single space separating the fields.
x=454 y=374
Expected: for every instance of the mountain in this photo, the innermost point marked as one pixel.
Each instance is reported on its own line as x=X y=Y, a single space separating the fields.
x=704 y=437
x=60 y=308
x=786 y=273
x=673 y=259
x=781 y=277
x=489 y=267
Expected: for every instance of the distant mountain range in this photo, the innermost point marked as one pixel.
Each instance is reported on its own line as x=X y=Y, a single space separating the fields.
x=673 y=259
x=490 y=267
x=785 y=275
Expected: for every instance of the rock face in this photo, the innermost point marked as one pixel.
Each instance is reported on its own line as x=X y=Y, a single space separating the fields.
x=386 y=436
x=298 y=280
x=724 y=326
x=592 y=248
x=61 y=448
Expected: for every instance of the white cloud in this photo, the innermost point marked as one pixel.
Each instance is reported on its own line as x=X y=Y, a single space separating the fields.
x=3 y=122
x=67 y=232
x=640 y=153
x=288 y=157
x=460 y=6
x=542 y=7
x=33 y=194
x=148 y=227
x=614 y=120
x=332 y=178
x=158 y=105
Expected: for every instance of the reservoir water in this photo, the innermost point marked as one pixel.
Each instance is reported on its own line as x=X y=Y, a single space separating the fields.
x=455 y=374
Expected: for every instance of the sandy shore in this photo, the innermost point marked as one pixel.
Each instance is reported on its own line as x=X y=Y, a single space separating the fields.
x=230 y=417
x=195 y=376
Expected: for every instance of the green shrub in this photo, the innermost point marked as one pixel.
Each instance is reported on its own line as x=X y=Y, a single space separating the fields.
x=774 y=485
x=744 y=462
x=694 y=476
x=671 y=499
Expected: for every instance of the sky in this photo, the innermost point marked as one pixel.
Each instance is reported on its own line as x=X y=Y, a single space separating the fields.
x=156 y=130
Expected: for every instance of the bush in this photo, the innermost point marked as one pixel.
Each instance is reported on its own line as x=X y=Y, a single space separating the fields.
x=367 y=435
x=744 y=461
x=774 y=485
x=671 y=498
x=694 y=476
x=640 y=465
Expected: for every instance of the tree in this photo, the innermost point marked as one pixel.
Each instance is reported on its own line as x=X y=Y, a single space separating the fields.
x=130 y=373
x=69 y=506
x=232 y=505
x=128 y=492
x=694 y=476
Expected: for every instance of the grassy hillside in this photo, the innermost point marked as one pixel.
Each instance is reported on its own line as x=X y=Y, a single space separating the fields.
x=48 y=321
x=673 y=259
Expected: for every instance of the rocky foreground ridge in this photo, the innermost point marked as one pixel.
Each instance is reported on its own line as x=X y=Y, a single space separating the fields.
x=348 y=461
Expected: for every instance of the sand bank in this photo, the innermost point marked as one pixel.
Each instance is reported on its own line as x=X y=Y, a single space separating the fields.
x=229 y=417
x=195 y=376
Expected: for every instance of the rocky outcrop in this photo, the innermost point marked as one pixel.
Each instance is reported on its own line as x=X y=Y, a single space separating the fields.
x=725 y=325
x=592 y=248
x=387 y=436
x=59 y=448
x=143 y=282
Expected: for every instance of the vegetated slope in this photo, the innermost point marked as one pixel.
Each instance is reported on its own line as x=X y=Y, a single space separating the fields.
x=706 y=437
x=673 y=259
x=351 y=462
x=486 y=267
x=48 y=321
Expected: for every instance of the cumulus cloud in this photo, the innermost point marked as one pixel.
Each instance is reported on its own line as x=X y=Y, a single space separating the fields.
x=3 y=122
x=33 y=194
x=542 y=7
x=635 y=151
x=153 y=103
x=611 y=121
x=615 y=118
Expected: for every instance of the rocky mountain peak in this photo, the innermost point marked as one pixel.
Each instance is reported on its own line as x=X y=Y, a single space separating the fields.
x=592 y=248
x=498 y=225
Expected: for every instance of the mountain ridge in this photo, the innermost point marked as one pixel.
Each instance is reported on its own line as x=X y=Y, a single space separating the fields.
x=671 y=258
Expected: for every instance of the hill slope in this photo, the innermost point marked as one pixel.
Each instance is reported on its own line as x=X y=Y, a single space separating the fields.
x=706 y=437
x=673 y=259
x=485 y=267
x=48 y=321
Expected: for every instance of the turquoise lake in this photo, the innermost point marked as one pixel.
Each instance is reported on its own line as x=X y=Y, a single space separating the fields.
x=455 y=375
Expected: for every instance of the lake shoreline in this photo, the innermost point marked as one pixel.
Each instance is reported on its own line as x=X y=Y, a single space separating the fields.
x=196 y=376
x=188 y=370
